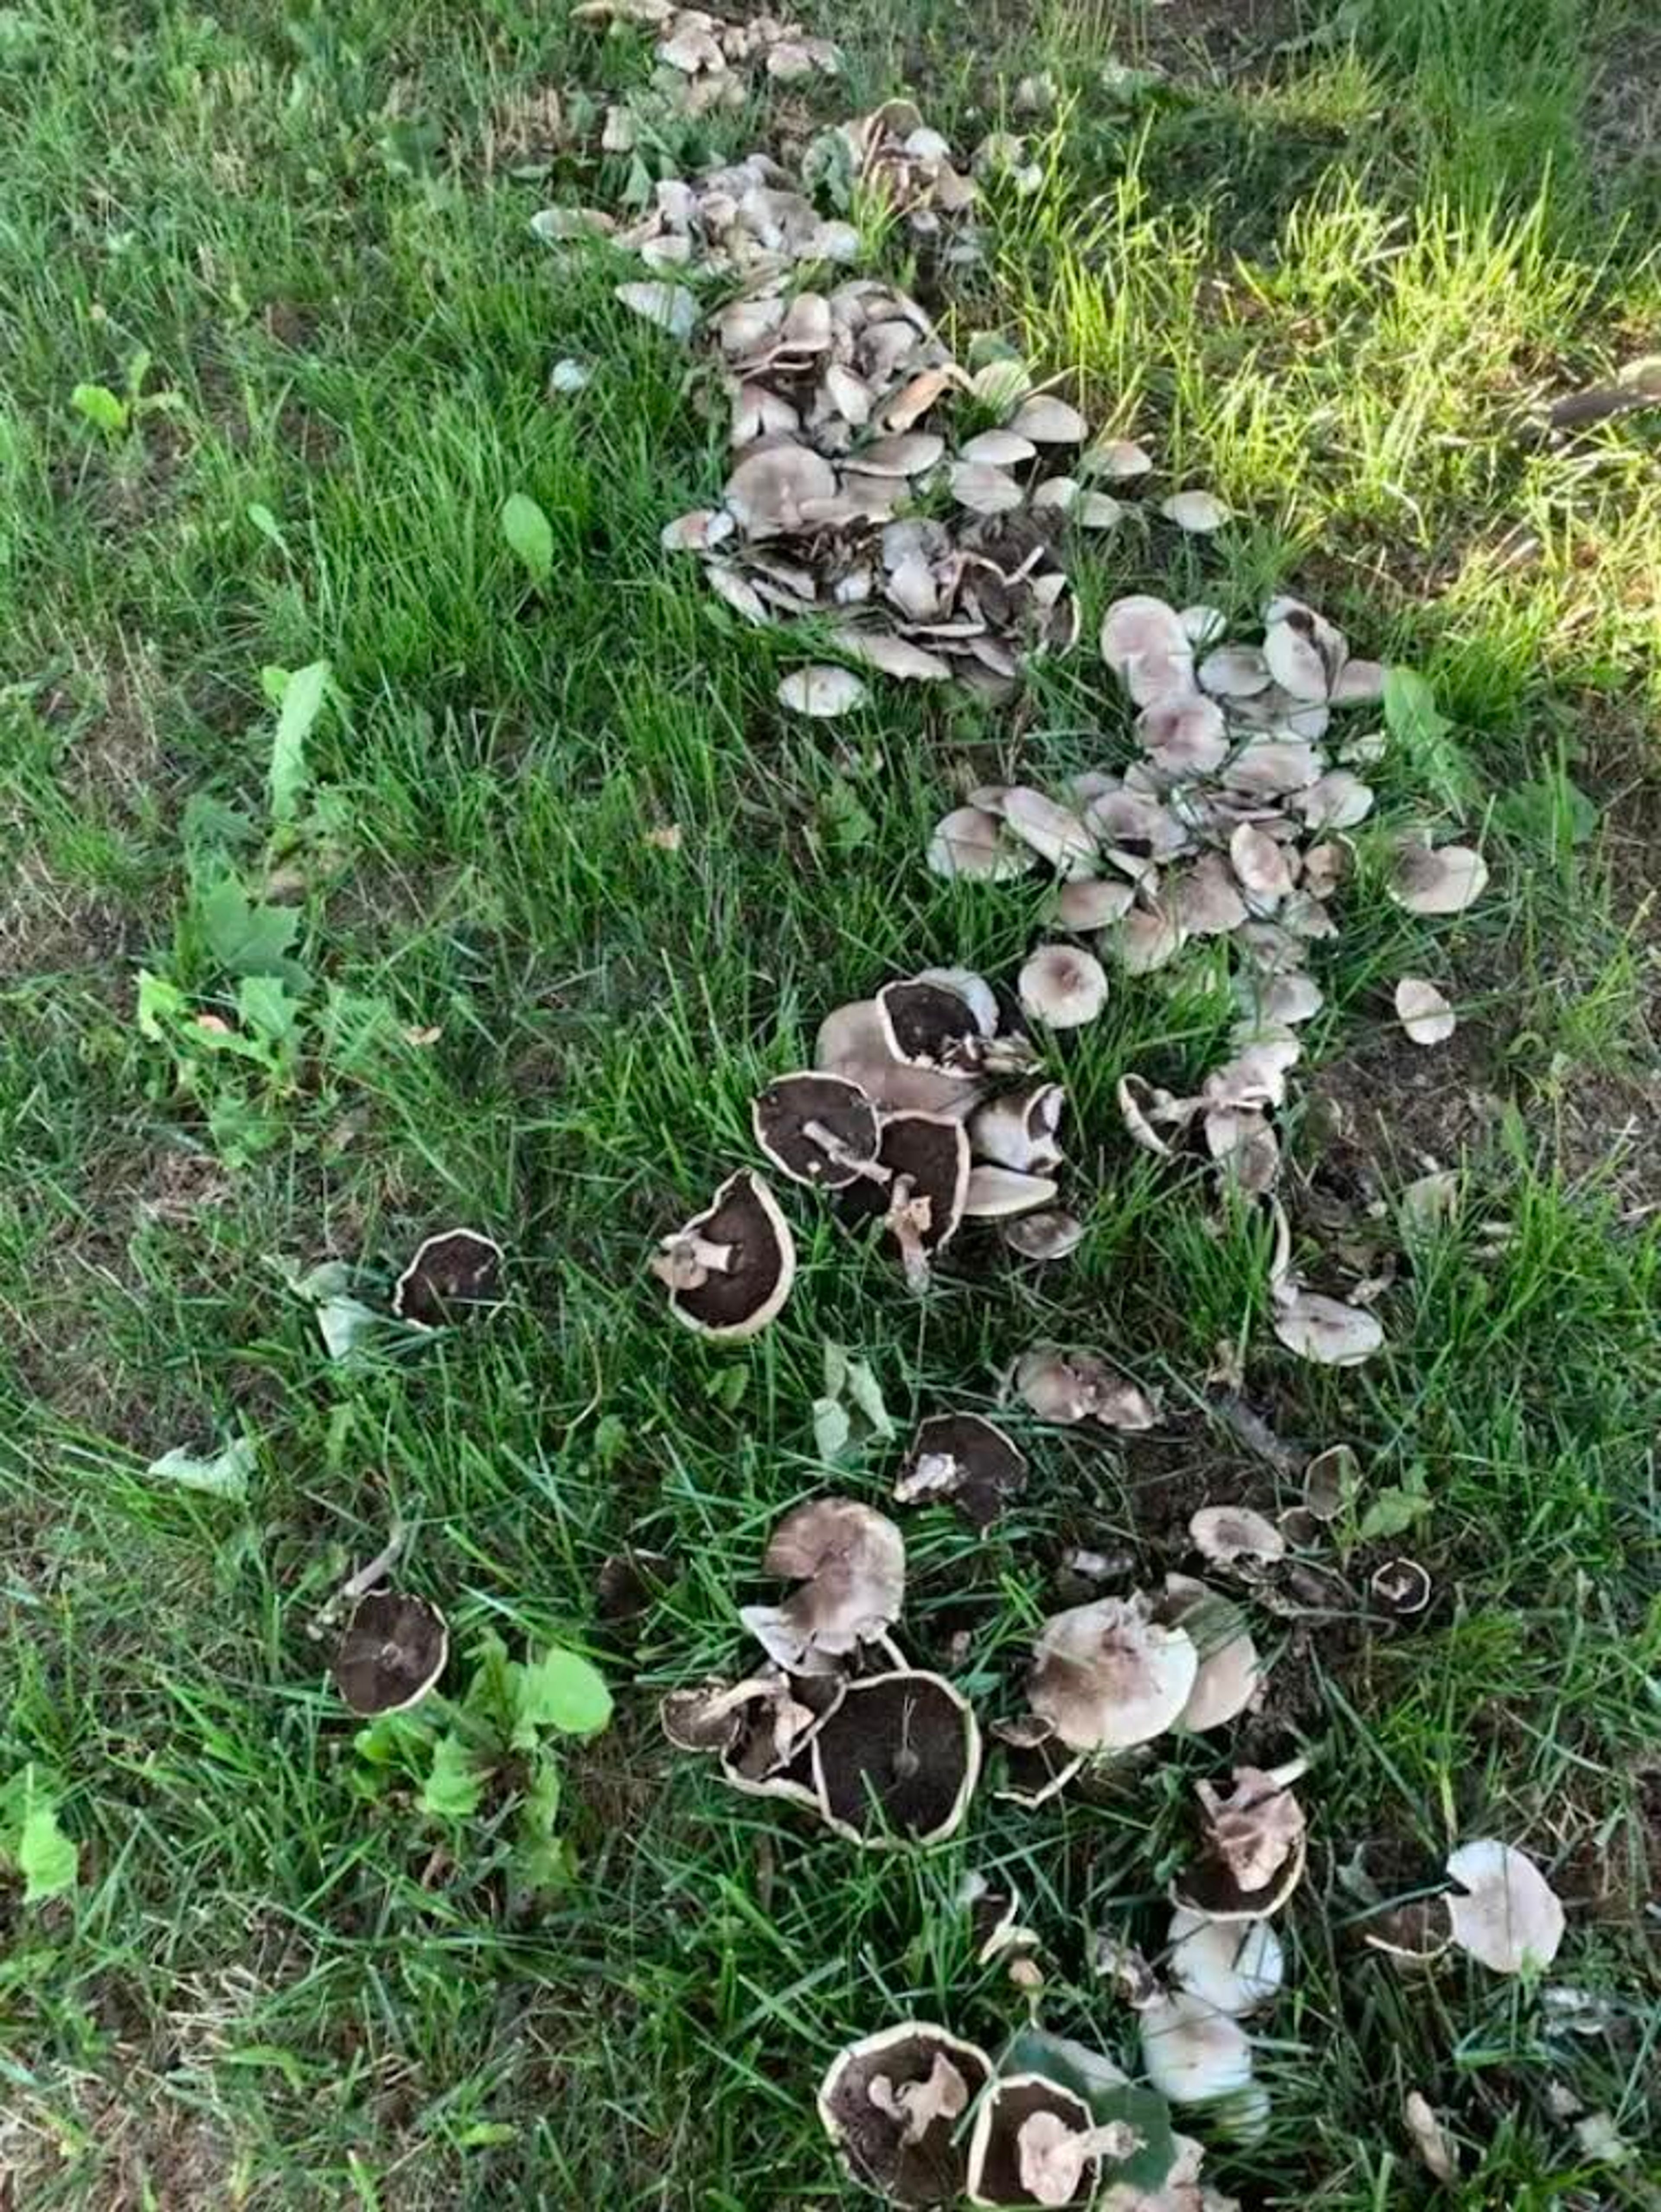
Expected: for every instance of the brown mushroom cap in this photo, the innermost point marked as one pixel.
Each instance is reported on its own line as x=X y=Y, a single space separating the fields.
x=1434 y=880
x=392 y=1651
x=898 y=1759
x=1107 y=1676
x=965 y=1458
x=1063 y=987
x=761 y=1728
x=1067 y=1387
x=1209 y=1888
x=853 y=1042
x=928 y=1023
x=771 y=485
x=850 y=1561
x=871 y=2131
x=453 y=1273
x=819 y=1129
x=1224 y=1533
x=995 y=2176
x=730 y=1270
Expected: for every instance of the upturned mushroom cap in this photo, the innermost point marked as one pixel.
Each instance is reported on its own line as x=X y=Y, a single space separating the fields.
x=1504 y=1913
x=930 y=1022
x=819 y=1129
x=1254 y=1827
x=964 y=1458
x=1423 y=1012
x=1037 y=1765
x=1063 y=987
x=1402 y=1587
x=898 y=1760
x=392 y=1651
x=853 y=1042
x=1445 y=879
x=453 y=1274
x=1107 y=1676
x=850 y=1563
x=730 y=1270
x=1232 y=1967
x=1019 y=1129
x=1192 y=2052
x=1330 y=1480
x=759 y=1728
x=1224 y=1533
x=891 y=2103
x=927 y=1156
x=996 y=2167
x=1053 y=832
x=1046 y=1235
x=1418 y=1930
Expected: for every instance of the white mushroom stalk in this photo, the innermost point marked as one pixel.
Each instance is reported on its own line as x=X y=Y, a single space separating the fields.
x=844 y=1155
x=687 y=1262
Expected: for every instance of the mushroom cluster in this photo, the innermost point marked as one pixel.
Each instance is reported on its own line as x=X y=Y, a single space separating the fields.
x=836 y=1720
x=705 y=62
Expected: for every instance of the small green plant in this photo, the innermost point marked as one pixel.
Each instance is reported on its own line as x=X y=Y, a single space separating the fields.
x=116 y=413
x=32 y=1844
x=483 y=1769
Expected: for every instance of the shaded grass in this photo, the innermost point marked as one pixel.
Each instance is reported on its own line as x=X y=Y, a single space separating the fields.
x=266 y=1989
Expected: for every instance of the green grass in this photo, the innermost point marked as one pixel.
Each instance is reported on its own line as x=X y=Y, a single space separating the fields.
x=1325 y=271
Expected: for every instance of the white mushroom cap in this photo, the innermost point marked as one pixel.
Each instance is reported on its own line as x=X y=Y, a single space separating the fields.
x=1423 y=1012
x=975 y=846
x=1117 y=460
x=1106 y=1675
x=1192 y=2052
x=1199 y=513
x=670 y=307
x=1227 y=1533
x=1337 y=801
x=1444 y=880
x=999 y=449
x=1053 y=832
x=1256 y=1824
x=1063 y=987
x=1325 y=1330
x=1048 y=421
x=1234 y=1966
x=1230 y=1672
x=996 y=1194
x=1139 y=627
x=822 y=692
x=1505 y=1914
x=1094 y=902
x=1048 y=1235
x=1294 y=660
x=1235 y=672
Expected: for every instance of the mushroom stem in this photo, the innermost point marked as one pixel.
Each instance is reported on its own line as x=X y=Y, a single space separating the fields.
x=1283 y=1777
x=686 y=1261
x=843 y=1155
x=908 y=1223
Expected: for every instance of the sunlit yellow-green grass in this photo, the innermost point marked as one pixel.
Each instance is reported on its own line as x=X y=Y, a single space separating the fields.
x=1327 y=266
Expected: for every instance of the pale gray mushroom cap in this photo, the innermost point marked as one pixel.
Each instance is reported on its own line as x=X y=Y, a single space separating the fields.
x=850 y=1563
x=1063 y=987
x=1505 y=1913
x=1107 y=1676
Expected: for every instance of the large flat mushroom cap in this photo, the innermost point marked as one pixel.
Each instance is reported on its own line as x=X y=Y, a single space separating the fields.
x=916 y=2099
x=451 y=1274
x=850 y=1563
x=898 y=1759
x=1504 y=1912
x=393 y=1650
x=829 y=1105
x=1108 y=1676
x=739 y=1296
x=767 y=489
x=1441 y=879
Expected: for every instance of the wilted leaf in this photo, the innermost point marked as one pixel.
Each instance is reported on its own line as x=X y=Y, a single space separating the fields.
x=530 y=536
x=832 y=1429
x=266 y=1007
x=1103 y=2087
x=225 y=1475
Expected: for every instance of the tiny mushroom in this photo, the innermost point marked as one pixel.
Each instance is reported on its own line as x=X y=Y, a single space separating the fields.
x=1504 y=1913
x=891 y=2103
x=392 y=1651
x=1402 y=1586
x=964 y=1458
x=729 y=1270
x=1048 y=1235
x=1108 y=1675
x=850 y=1562
x=454 y=1273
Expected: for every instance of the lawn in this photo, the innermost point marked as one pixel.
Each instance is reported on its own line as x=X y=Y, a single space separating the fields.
x=538 y=882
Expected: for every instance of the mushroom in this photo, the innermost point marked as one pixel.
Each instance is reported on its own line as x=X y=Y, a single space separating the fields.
x=1504 y=1913
x=1018 y=1129
x=1234 y=1969
x=759 y=1728
x=1255 y=1836
x=1062 y=987
x=1069 y=1387
x=1199 y=513
x=850 y=1561
x=454 y=1273
x=1047 y=420
x=975 y=846
x=730 y=1270
x=1107 y=1676
x=1006 y=2161
x=1192 y=2052
x=822 y=692
x=998 y=1194
x=931 y=1023
x=853 y=1042
x=1092 y=903
x=1418 y=1930
x=1401 y=1587
x=1330 y=1480
x=772 y=485
x=391 y=1652
x=1227 y=1533
x=1036 y=1765
x=927 y=1156
x=670 y=307
x=1430 y=880
x=1230 y=1673
x=891 y=2102
x=1049 y=1235
x=819 y=1129
x=1117 y=460
x=964 y=1458
x=1051 y=831
x=898 y=1760
x=1325 y=1330
x=1423 y=1012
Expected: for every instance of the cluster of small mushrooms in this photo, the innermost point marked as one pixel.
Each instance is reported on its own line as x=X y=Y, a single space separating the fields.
x=910 y=506
x=705 y=62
